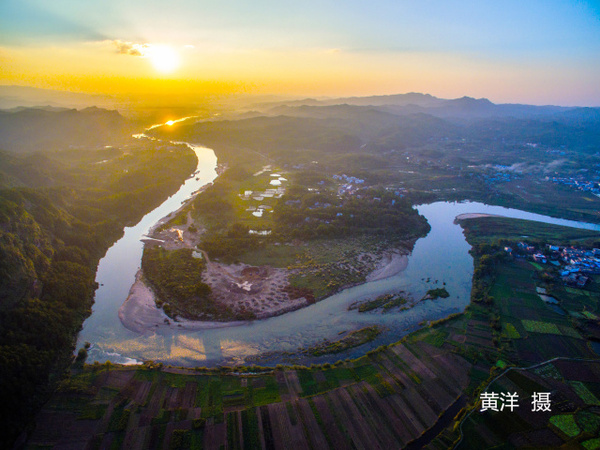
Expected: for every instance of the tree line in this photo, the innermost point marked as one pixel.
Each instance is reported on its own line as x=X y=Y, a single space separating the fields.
x=51 y=239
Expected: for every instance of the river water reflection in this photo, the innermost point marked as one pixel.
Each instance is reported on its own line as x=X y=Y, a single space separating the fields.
x=441 y=257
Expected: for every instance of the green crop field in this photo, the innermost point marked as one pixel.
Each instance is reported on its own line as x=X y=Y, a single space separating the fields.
x=566 y=423
x=534 y=326
x=584 y=393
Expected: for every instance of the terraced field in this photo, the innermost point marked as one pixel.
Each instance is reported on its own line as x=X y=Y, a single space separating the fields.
x=573 y=417
x=385 y=400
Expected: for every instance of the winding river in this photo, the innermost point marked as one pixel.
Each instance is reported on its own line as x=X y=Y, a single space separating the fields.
x=441 y=257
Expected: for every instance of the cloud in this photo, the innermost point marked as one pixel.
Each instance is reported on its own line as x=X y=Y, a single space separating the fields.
x=553 y=165
x=131 y=48
x=527 y=167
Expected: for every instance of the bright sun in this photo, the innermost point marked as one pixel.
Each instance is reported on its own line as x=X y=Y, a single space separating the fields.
x=164 y=58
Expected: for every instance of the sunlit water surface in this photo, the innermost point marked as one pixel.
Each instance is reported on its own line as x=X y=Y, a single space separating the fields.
x=441 y=257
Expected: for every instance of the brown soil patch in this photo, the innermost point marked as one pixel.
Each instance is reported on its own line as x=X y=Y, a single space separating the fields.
x=263 y=291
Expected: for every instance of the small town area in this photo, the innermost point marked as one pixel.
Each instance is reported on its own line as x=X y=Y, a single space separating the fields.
x=575 y=264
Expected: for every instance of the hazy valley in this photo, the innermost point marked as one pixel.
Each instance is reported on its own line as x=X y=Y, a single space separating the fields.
x=309 y=285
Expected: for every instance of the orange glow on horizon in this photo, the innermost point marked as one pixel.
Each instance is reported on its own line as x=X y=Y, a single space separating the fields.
x=181 y=75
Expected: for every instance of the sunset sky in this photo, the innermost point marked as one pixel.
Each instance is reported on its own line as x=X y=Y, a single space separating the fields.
x=533 y=51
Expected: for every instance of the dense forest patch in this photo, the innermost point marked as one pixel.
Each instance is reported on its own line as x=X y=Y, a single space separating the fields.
x=51 y=238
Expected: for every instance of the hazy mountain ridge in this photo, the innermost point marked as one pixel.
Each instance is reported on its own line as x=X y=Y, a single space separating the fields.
x=26 y=96
x=461 y=108
x=41 y=129
x=372 y=129
x=412 y=98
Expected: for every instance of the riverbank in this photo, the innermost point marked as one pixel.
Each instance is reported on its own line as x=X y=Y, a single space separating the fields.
x=262 y=290
x=451 y=361
x=474 y=216
x=443 y=255
x=391 y=264
x=140 y=314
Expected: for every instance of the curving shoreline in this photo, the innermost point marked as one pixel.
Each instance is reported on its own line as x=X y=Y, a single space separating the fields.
x=442 y=255
x=140 y=314
x=392 y=264
x=475 y=216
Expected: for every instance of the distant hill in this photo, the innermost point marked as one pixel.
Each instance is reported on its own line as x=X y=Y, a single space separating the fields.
x=412 y=98
x=301 y=131
x=30 y=170
x=42 y=129
x=15 y=96
x=464 y=108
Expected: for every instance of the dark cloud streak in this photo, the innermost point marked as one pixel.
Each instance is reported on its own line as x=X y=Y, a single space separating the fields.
x=130 y=48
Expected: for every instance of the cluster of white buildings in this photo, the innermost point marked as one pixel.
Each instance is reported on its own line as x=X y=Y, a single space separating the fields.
x=277 y=191
x=261 y=195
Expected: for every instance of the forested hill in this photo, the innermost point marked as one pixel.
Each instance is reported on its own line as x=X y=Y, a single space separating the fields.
x=57 y=218
x=42 y=129
x=301 y=134
x=413 y=103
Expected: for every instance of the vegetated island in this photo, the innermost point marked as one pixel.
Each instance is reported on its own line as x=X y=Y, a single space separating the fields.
x=260 y=243
x=433 y=294
x=384 y=302
x=387 y=302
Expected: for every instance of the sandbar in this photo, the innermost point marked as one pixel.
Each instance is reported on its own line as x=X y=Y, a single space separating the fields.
x=140 y=314
x=474 y=216
x=391 y=264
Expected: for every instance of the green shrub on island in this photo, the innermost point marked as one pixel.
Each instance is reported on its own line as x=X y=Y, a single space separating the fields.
x=228 y=243
x=176 y=277
x=385 y=301
x=433 y=294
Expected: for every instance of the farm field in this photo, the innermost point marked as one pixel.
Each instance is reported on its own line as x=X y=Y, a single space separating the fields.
x=384 y=400
x=487 y=229
x=551 y=199
x=323 y=265
x=421 y=391
x=573 y=416
x=553 y=343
